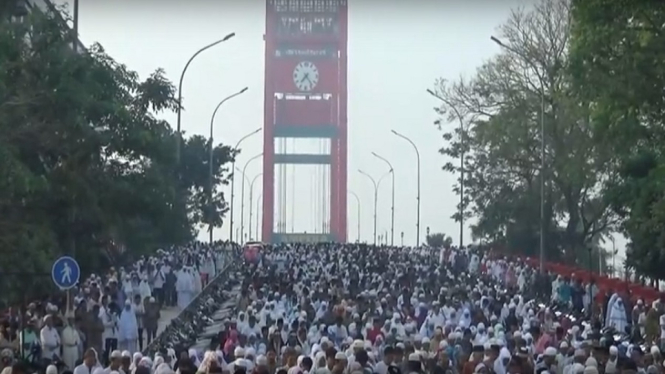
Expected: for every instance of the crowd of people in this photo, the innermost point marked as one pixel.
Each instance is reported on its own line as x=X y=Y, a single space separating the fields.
x=119 y=310
x=360 y=309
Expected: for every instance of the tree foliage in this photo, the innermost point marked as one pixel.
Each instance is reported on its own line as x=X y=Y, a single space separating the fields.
x=617 y=54
x=500 y=109
x=438 y=240
x=88 y=169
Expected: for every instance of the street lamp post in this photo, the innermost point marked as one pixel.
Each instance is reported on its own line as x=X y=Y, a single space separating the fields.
x=233 y=166
x=460 y=118
x=251 y=201
x=76 y=26
x=242 y=196
x=542 y=148
x=182 y=76
x=245 y=180
x=392 y=198
x=418 y=182
x=258 y=209
x=211 y=183
x=614 y=253
x=358 y=209
x=376 y=197
x=591 y=280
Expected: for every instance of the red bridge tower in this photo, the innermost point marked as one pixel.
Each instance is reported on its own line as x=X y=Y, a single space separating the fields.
x=305 y=98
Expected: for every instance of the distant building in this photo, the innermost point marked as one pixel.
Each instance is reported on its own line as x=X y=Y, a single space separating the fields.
x=24 y=7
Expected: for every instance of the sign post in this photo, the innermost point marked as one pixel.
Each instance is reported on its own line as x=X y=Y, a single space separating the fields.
x=65 y=273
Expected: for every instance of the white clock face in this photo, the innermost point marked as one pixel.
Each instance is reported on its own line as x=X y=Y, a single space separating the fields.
x=305 y=76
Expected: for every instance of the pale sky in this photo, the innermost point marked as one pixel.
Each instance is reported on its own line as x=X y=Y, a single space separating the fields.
x=396 y=50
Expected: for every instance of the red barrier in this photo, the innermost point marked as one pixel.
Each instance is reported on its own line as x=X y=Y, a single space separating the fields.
x=604 y=283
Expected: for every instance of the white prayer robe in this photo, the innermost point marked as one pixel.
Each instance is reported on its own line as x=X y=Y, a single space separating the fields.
x=144 y=290
x=128 y=330
x=70 y=346
x=50 y=340
x=616 y=316
x=196 y=280
x=183 y=288
x=128 y=288
x=83 y=369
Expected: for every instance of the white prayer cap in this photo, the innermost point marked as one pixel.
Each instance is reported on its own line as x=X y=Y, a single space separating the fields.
x=654 y=350
x=51 y=369
x=355 y=368
x=126 y=354
x=145 y=361
x=239 y=352
x=550 y=351
x=340 y=356
x=590 y=370
x=358 y=344
x=116 y=354
x=262 y=360
x=614 y=351
x=414 y=357
x=563 y=345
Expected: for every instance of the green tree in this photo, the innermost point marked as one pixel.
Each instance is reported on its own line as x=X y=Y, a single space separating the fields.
x=617 y=49
x=438 y=240
x=196 y=159
x=500 y=108
x=87 y=168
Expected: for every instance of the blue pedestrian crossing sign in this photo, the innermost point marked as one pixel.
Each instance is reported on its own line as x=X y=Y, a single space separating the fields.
x=65 y=272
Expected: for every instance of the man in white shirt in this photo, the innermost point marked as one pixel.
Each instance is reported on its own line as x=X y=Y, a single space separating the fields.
x=50 y=339
x=110 y=334
x=158 y=278
x=90 y=363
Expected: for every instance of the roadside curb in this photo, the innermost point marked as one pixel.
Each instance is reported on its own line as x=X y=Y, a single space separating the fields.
x=228 y=261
